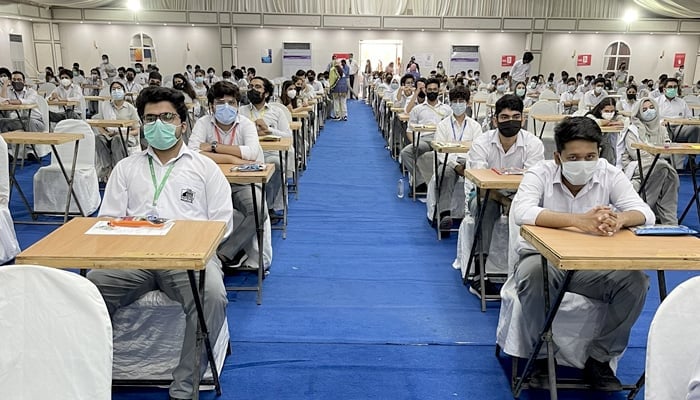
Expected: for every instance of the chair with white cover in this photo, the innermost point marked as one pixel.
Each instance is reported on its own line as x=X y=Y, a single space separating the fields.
x=692 y=99
x=543 y=107
x=43 y=149
x=9 y=247
x=50 y=187
x=46 y=88
x=56 y=336
x=548 y=95
x=480 y=109
x=673 y=347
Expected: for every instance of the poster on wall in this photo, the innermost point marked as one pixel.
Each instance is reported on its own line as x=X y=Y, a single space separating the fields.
x=295 y=56
x=678 y=60
x=583 y=60
x=426 y=62
x=507 y=60
x=266 y=56
x=463 y=58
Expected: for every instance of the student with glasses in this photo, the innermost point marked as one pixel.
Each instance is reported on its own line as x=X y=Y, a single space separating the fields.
x=168 y=180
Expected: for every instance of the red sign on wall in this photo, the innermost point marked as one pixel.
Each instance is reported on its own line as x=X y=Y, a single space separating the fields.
x=507 y=61
x=678 y=60
x=583 y=60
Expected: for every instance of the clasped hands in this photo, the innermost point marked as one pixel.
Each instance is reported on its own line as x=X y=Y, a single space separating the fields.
x=600 y=220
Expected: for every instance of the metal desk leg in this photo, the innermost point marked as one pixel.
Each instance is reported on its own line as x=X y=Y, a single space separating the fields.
x=13 y=182
x=285 y=201
x=69 y=181
x=694 y=199
x=642 y=179
x=124 y=138
x=438 y=186
x=416 y=142
x=258 y=215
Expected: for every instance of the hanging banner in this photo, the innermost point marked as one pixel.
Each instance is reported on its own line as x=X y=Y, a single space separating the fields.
x=678 y=60
x=583 y=60
x=464 y=58
x=507 y=60
x=295 y=56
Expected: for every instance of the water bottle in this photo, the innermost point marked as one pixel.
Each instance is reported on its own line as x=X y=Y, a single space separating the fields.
x=400 y=189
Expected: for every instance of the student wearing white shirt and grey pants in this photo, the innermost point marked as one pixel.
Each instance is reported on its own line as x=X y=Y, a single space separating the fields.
x=578 y=189
x=520 y=71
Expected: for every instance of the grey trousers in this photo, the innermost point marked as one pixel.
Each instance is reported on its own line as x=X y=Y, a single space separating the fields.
x=623 y=291
x=409 y=158
x=274 y=186
x=243 y=220
x=491 y=215
x=449 y=180
x=109 y=151
x=661 y=191
x=120 y=288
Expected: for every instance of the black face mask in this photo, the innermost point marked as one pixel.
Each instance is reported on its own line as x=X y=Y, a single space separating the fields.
x=421 y=95
x=509 y=128
x=121 y=76
x=432 y=96
x=18 y=86
x=255 y=97
x=298 y=89
x=311 y=78
x=631 y=96
x=179 y=86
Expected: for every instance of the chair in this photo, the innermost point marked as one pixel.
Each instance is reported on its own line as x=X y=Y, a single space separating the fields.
x=692 y=99
x=543 y=107
x=548 y=94
x=43 y=105
x=50 y=188
x=9 y=247
x=673 y=348
x=56 y=336
x=481 y=109
x=46 y=88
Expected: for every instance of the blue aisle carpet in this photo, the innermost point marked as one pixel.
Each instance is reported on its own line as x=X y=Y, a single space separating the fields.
x=362 y=302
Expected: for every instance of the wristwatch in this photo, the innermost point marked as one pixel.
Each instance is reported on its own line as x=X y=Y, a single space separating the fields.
x=213 y=146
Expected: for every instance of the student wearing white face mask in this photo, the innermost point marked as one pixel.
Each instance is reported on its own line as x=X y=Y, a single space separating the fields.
x=595 y=95
x=522 y=92
x=500 y=90
x=66 y=91
x=579 y=190
x=571 y=98
x=109 y=143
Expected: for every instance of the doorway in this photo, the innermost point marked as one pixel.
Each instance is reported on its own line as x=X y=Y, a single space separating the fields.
x=381 y=53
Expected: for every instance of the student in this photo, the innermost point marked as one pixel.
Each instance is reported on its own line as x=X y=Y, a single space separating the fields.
x=571 y=98
x=458 y=128
x=108 y=71
x=155 y=78
x=507 y=146
x=630 y=100
x=577 y=189
x=131 y=191
x=429 y=113
x=671 y=105
x=66 y=91
x=130 y=85
x=521 y=92
x=405 y=91
x=605 y=114
x=662 y=185
x=229 y=138
x=520 y=70
x=594 y=96
x=338 y=79
x=499 y=90
x=200 y=86
x=15 y=91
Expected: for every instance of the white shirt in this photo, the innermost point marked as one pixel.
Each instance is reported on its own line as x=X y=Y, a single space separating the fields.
x=590 y=99
x=626 y=105
x=354 y=68
x=520 y=71
x=196 y=189
x=275 y=118
x=26 y=96
x=132 y=87
x=675 y=108
x=451 y=131
x=242 y=134
x=71 y=93
x=425 y=114
x=570 y=96
x=542 y=189
x=487 y=149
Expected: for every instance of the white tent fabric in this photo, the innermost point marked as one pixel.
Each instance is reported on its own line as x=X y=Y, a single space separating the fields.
x=673 y=348
x=9 y=247
x=672 y=8
x=55 y=336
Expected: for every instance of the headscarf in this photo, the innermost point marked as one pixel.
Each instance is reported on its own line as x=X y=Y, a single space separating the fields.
x=650 y=132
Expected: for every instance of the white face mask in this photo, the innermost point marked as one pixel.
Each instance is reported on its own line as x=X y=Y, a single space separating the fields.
x=571 y=88
x=598 y=90
x=291 y=94
x=65 y=82
x=501 y=88
x=578 y=172
x=608 y=115
x=458 y=108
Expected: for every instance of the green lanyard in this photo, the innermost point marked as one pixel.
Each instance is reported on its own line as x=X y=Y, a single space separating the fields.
x=159 y=188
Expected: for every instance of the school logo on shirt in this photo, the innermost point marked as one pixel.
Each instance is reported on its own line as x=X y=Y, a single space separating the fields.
x=187 y=195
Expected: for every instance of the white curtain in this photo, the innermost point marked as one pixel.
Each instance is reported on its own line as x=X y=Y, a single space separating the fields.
x=672 y=8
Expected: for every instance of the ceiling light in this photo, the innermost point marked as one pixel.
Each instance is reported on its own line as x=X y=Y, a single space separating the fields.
x=133 y=5
x=630 y=16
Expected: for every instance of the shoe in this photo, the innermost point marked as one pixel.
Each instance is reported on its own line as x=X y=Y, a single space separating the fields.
x=345 y=118
x=176 y=398
x=445 y=226
x=539 y=377
x=422 y=188
x=490 y=289
x=600 y=376
x=230 y=267
x=335 y=118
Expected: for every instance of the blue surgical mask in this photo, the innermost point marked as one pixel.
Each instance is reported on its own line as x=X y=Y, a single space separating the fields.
x=520 y=92
x=160 y=135
x=117 y=94
x=458 y=108
x=648 y=115
x=199 y=79
x=501 y=88
x=225 y=114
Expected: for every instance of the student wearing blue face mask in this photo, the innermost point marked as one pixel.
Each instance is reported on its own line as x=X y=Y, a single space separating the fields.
x=229 y=138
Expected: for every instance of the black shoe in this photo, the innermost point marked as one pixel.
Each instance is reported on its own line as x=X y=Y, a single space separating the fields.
x=230 y=267
x=445 y=226
x=600 y=376
x=489 y=288
x=422 y=188
x=345 y=118
x=539 y=377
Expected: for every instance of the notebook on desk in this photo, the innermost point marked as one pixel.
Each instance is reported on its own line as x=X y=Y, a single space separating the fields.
x=508 y=171
x=270 y=138
x=663 y=230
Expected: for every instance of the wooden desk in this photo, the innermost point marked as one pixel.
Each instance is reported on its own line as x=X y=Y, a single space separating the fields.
x=404 y=117
x=17 y=108
x=446 y=149
x=544 y=118
x=680 y=122
x=63 y=103
x=187 y=246
x=624 y=251
x=675 y=148
x=51 y=139
x=398 y=110
x=611 y=129
x=115 y=123
x=694 y=107
x=485 y=180
x=416 y=131
x=253 y=178
x=282 y=146
x=478 y=103
x=97 y=98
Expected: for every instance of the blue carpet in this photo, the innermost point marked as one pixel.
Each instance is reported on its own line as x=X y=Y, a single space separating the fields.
x=361 y=302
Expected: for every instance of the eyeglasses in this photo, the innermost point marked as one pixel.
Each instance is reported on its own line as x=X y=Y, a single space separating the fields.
x=506 y=118
x=166 y=117
x=232 y=103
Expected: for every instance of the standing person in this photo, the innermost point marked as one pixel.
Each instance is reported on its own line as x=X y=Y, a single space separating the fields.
x=680 y=75
x=339 y=91
x=132 y=191
x=331 y=64
x=109 y=71
x=521 y=69
x=354 y=68
x=366 y=76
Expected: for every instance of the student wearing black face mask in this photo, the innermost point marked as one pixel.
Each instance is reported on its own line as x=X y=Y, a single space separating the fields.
x=627 y=103
x=507 y=146
x=14 y=91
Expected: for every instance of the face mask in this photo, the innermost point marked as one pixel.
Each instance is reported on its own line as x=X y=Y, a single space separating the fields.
x=501 y=88
x=472 y=87
x=255 y=97
x=199 y=79
x=65 y=82
x=18 y=86
x=138 y=70
x=608 y=115
x=648 y=115
x=160 y=135
x=421 y=95
x=189 y=70
x=509 y=128
x=533 y=85
x=476 y=77
x=458 y=108
x=578 y=172
x=117 y=94
x=211 y=74
x=225 y=114
x=631 y=96
x=179 y=86
x=104 y=61
x=671 y=92
x=394 y=86
x=571 y=88
x=520 y=92
x=311 y=78
x=598 y=90
x=432 y=96
x=292 y=93
x=121 y=76
x=493 y=81
x=129 y=77
x=587 y=82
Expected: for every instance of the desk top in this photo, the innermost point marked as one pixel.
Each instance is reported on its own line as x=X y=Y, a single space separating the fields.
x=63 y=103
x=404 y=117
x=676 y=148
x=284 y=144
x=17 y=107
x=247 y=177
x=571 y=249
x=683 y=121
x=424 y=128
x=295 y=125
x=479 y=101
x=549 y=117
x=300 y=114
x=21 y=137
x=111 y=123
x=306 y=108
x=398 y=110
x=611 y=129
x=490 y=179
x=444 y=147
x=694 y=106
x=188 y=245
x=96 y=98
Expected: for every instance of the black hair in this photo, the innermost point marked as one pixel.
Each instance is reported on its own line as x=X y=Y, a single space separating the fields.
x=105 y=56
x=268 y=86
x=155 y=75
x=251 y=71
x=407 y=77
x=226 y=74
x=432 y=81
x=571 y=79
x=509 y=101
x=66 y=72
x=599 y=80
x=211 y=69
x=221 y=89
x=527 y=56
x=460 y=93
x=18 y=73
x=597 y=111
x=133 y=71
x=300 y=72
x=188 y=89
x=116 y=83
x=283 y=96
x=631 y=87
x=238 y=73
x=577 y=128
x=156 y=94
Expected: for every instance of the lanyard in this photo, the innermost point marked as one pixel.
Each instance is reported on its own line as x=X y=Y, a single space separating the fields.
x=454 y=134
x=441 y=115
x=258 y=114
x=218 y=131
x=159 y=188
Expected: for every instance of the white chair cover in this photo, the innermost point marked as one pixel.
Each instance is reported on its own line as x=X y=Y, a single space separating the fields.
x=548 y=94
x=692 y=99
x=50 y=188
x=9 y=247
x=458 y=199
x=543 y=107
x=673 y=348
x=43 y=149
x=56 y=336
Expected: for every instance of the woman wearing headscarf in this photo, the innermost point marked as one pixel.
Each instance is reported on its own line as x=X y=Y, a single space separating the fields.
x=662 y=185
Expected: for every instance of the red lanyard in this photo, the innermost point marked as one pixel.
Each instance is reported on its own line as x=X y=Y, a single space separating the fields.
x=219 y=132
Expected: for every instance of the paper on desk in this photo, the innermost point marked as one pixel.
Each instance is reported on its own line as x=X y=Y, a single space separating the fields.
x=103 y=228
